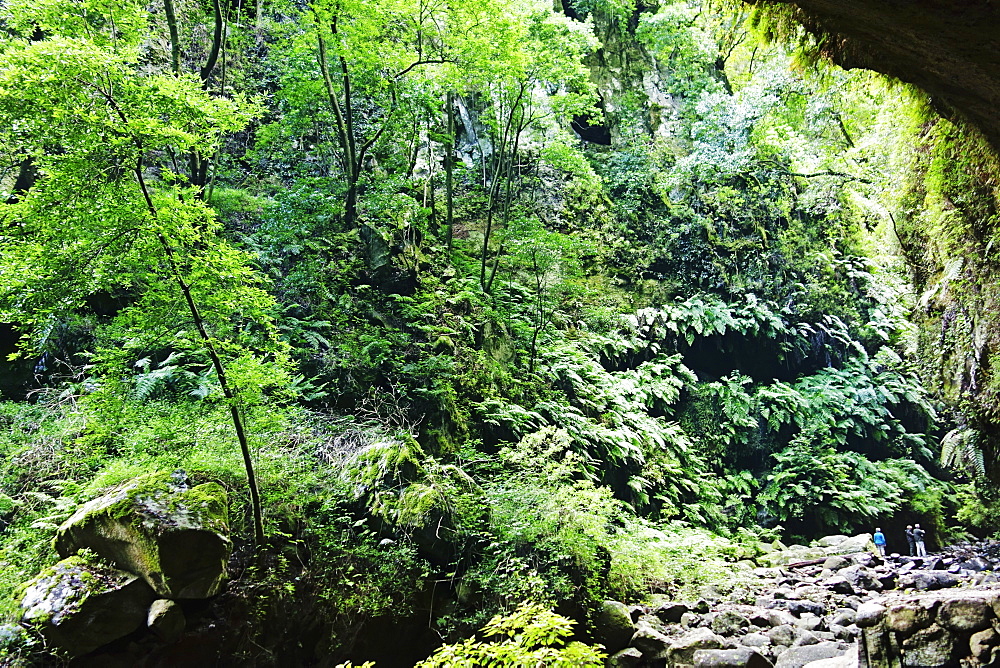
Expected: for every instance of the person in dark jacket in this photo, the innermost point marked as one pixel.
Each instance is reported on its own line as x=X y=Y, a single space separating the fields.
x=909 y=538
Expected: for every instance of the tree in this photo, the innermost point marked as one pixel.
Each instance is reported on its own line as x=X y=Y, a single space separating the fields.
x=106 y=214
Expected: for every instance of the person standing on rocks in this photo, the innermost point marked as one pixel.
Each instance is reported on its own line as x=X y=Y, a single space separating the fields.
x=879 y=539
x=918 y=540
x=909 y=538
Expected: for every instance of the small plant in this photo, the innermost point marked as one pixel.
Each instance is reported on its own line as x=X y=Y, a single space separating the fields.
x=530 y=636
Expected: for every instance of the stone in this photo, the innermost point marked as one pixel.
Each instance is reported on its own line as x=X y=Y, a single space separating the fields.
x=843 y=617
x=803 y=607
x=741 y=657
x=933 y=647
x=976 y=564
x=782 y=635
x=780 y=617
x=928 y=580
x=79 y=606
x=635 y=612
x=682 y=650
x=848 y=660
x=830 y=541
x=729 y=623
x=869 y=614
x=835 y=563
x=861 y=577
x=627 y=658
x=908 y=618
x=805 y=638
x=809 y=622
x=671 y=612
x=176 y=539
x=796 y=657
x=651 y=642
x=755 y=640
x=981 y=644
x=839 y=585
x=851 y=545
x=689 y=620
x=965 y=614
x=613 y=627
x=166 y=619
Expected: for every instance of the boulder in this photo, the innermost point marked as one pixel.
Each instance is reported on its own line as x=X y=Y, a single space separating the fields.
x=729 y=623
x=869 y=614
x=796 y=657
x=981 y=644
x=651 y=642
x=689 y=620
x=782 y=635
x=838 y=584
x=835 y=563
x=682 y=650
x=908 y=618
x=671 y=612
x=933 y=647
x=850 y=545
x=613 y=627
x=166 y=620
x=848 y=660
x=175 y=538
x=927 y=580
x=78 y=606
x=627 y=658
x=755 y=640
x=803 y=607
x=965 y=614
x=830 y=541
x=742 y=657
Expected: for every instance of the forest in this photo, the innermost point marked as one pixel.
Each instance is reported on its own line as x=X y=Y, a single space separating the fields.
x=480 y=312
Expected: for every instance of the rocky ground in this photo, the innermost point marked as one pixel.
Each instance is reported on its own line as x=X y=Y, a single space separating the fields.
x=829 y=605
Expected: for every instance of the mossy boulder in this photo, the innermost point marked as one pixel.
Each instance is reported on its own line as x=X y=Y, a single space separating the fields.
x=78 y=606
x=175 y=537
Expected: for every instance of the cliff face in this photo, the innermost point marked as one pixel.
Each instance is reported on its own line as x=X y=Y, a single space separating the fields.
x=949 y=48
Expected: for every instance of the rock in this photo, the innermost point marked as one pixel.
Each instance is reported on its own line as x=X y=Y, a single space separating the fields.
x=932 y=647
x=843 y=617
x=861 y=577
x=965 y=614
x=809 y=622
x=981 y=644
x=830 y=541
x=869 y=614
x=651 y=642
x=851 y=545
x=782 y=635
x=176 y=539
x=79 y=606
x=166 y=619
x=635 y=612
x=671 y=612
x=976 y=564
x=627 y=658
x=689 y=620
x=839 y=585
x=755 y=640
x=803 y=607
x=927 y=580
x=729 y=623
x=908 y=618
x=613 y=627
x=682 y=650
x=796 y=657
x=742 y=657
x=805 y=638
x=12 y=637
x=835 y=563
x=848 y=660
x=780 y=617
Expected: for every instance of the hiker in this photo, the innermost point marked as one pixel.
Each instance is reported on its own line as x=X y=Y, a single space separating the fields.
x=879 y=540
x=918 y=540
x=909 y=538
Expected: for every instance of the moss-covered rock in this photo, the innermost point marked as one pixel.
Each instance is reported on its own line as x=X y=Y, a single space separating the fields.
x=175 y=538
x=78 y=606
